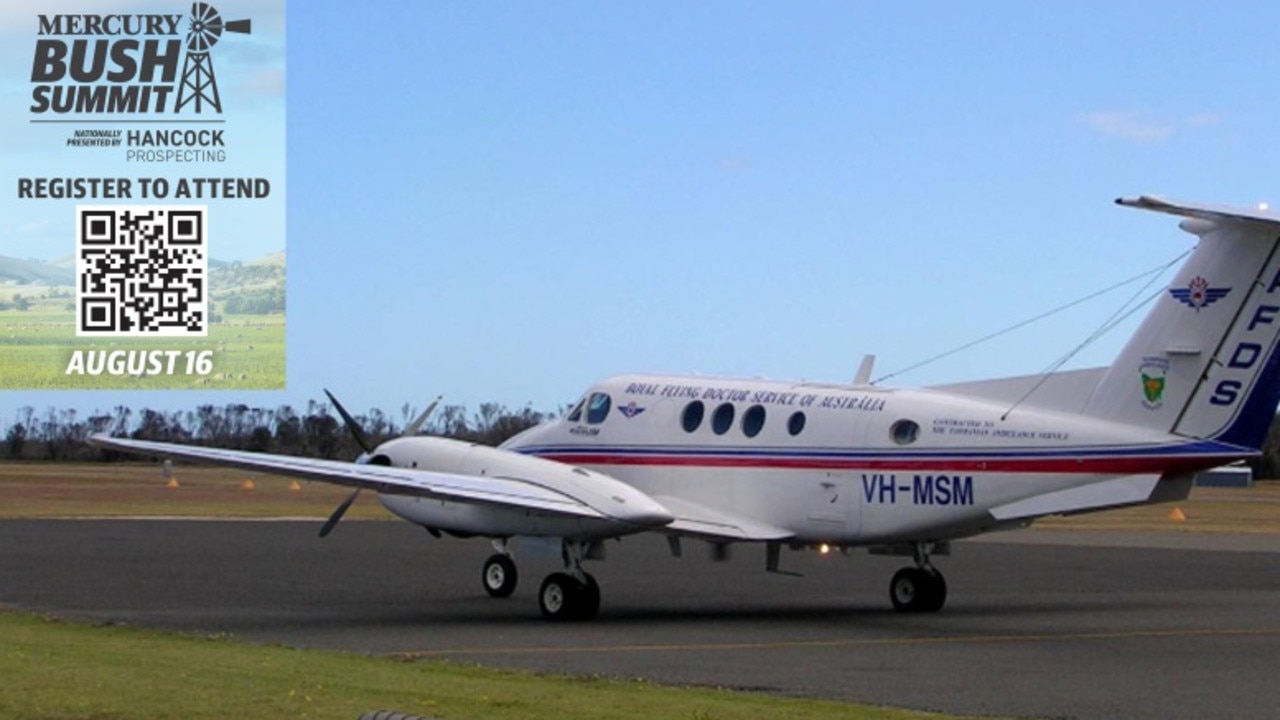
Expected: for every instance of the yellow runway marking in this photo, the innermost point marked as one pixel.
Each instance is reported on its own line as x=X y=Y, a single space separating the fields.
x=847 y=642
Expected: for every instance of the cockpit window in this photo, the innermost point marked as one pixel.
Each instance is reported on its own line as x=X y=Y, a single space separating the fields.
x=598 y=408
x=576 y=414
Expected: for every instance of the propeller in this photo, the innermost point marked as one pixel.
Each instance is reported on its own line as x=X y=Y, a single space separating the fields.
x=351 y=423
x=338 y=513
x=367 y=454
x=363 y=442
x=416 y=425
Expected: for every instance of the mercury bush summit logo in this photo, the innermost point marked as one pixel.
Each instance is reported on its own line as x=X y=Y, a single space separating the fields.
x=128 y=64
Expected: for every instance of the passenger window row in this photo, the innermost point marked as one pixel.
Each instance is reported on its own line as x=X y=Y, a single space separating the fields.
x=596 y=408
x=753 y=419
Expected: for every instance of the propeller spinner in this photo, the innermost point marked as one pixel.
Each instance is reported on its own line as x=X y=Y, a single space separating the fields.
x=366 y=455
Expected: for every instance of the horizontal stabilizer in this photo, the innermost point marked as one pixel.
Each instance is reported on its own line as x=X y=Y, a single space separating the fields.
x=1201 y=211
x=696 y=519
x=1126 y=490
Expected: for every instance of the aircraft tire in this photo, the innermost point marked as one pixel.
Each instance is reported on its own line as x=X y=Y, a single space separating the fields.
x=936 y=594
x=564 y=597
x=590 y=599
x=559 y=597
x=499 y=576
x=904 y=589
x=915 y=589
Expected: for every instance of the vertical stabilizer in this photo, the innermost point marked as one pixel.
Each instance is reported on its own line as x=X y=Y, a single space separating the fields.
x=1204 y=363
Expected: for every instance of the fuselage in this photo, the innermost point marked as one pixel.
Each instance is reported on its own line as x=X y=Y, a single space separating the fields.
x=845 y=464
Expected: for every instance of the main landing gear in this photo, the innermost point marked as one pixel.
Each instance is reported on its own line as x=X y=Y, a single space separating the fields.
x=920 y=588
x=499 y=576
x=565 y=597
x=569 y=595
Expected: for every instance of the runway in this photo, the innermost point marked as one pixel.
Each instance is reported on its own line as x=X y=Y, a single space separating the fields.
x=1056 y=624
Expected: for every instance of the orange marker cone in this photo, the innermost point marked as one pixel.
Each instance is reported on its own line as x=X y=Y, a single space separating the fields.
x=1177 y=515
x=294 y=486
x=247 y=485
x=173 y=483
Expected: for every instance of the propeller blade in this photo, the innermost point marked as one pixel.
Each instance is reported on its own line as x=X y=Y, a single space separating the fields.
x=351 y=423
x=416 y=425
x=338 y=513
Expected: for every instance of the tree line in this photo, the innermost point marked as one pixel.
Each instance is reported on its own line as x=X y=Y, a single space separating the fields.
x=316 y=431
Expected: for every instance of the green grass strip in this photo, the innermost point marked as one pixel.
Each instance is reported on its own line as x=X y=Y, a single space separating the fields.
x=56 y=670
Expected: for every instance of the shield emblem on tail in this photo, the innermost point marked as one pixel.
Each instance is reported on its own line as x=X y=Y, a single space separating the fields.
x=1153 y=372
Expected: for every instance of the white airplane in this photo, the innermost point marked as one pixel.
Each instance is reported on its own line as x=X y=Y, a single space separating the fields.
x=808 y=465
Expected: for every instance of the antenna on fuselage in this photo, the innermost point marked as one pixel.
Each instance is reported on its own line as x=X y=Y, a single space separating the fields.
x=864 y=370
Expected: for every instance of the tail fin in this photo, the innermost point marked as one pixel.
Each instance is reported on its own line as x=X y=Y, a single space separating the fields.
x=1204 y=362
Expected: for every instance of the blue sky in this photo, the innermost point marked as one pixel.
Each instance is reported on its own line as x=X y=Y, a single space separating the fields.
x=505 y=201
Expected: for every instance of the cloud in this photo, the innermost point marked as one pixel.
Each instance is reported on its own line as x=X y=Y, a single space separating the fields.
x=1204 y=119
x=33 y=228
x=1140 y=128
x=1128 y=126
x=734 y=164
x=268 y=82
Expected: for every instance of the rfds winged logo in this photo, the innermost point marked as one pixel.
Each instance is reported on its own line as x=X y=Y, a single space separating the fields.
x=630 y=410
x=1198 y=294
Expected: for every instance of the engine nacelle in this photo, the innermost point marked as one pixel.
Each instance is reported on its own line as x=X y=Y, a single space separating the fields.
x=622 y=508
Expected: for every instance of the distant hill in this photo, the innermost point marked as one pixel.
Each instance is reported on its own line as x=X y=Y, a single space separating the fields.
x=253 y=287
x=274 y=259
x=261 y=279
x=28 y=272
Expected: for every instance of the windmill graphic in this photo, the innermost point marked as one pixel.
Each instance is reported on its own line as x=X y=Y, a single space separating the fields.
x=199 y=86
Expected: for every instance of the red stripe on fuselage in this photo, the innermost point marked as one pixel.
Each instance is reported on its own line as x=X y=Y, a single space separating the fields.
x=1136 y=465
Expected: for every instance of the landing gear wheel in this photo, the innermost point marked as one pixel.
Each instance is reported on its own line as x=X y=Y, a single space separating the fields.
x=917 y=590
x=499 y=576
x=564 y=597
x=558 y=597
x=590 y=599
x=936 y=596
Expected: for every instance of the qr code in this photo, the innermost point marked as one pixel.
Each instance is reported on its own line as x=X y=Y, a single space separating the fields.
x=141 y=270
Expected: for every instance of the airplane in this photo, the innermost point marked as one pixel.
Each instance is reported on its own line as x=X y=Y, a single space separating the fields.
x=806 y=465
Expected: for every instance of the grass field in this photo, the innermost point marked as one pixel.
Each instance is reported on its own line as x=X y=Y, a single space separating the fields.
x=54 y=670
x=48 y=490
x=36 y=346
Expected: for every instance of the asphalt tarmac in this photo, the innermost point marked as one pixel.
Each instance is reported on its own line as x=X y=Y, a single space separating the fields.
x=1044 y=624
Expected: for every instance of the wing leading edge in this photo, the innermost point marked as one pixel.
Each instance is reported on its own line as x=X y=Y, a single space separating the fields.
x=508 y=492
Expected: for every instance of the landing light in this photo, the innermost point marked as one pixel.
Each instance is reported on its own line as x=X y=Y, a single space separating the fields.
x=824 y=549
x=1264 y=207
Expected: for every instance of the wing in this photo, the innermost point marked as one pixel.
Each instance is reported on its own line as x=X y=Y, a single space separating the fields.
x=506 y=492
x=696 y=519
